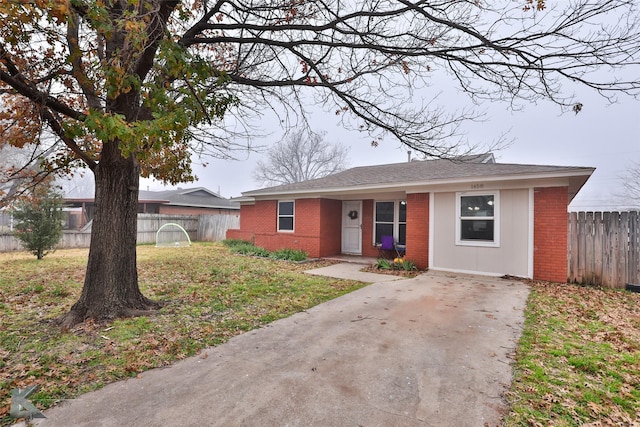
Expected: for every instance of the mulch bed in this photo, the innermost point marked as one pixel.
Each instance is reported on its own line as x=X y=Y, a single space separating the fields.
x=402 y=273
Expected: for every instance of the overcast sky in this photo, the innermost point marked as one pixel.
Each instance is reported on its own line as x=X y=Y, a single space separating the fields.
x=602 y=136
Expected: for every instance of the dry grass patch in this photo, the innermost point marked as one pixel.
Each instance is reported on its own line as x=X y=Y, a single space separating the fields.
x=208 y=296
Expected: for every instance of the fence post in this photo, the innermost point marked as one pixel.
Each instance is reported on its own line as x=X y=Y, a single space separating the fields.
x=623 y=250
x=615 y=248
x=581 y=248
x=589 y=265
x=597 y=248
x=607 y=251
x=633 y=267
x=572 y=252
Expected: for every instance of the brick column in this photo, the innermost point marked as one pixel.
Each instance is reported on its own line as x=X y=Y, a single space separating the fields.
x=550 y=231
x=418 y=229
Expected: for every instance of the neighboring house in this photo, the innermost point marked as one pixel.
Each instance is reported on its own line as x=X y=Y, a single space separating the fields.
x=471 y=215
x=189 y=201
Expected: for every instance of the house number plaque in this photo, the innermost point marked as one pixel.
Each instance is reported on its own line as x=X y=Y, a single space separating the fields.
x=477 y=186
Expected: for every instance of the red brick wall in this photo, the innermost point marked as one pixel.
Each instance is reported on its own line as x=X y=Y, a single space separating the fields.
x=247 y=217
x=247 y=228
x=248 y=224
x=330 y=227
x=368 y=248
x=306 y=232
x=234 y=233
x=317 y=226
x=550 y=233
x=418 y=229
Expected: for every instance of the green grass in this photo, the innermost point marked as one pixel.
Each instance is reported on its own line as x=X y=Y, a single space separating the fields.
x=578 y=360
x=208 y=293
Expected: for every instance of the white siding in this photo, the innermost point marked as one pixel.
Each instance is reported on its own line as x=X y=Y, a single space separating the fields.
x=511 y=257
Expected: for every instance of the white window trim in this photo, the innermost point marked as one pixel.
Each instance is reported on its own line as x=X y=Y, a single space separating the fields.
x=396 y=219
x=496 y=220
x=293 y=216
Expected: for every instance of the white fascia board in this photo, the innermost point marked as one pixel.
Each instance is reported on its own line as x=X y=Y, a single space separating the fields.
x=243 y=200
x=490 y=185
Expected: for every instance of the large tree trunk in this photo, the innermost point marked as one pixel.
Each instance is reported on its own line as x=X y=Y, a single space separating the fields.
x=111 y=282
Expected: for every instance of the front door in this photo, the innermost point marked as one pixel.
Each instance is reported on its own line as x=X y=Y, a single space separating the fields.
x=352 y=227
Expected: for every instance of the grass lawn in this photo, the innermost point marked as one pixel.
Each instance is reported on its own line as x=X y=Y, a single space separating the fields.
x=578 y=361
x=210 y=295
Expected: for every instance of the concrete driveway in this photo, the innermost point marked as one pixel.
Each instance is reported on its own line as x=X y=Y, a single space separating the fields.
x=429 y=351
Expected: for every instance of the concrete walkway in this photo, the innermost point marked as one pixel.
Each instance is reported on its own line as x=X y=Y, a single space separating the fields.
x=429 y=351
x=351 y=271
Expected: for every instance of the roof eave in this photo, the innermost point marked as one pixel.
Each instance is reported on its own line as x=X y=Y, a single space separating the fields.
x=581 y=172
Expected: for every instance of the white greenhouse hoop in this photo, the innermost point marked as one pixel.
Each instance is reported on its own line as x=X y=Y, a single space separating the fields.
x=176 y=238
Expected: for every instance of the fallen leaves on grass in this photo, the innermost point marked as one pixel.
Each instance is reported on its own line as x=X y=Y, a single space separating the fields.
x=578 y=361
x=208 y=296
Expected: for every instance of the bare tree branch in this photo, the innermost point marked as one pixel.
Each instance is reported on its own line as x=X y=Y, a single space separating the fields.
x=300 y=157
x=631 y=183
x=350 y=53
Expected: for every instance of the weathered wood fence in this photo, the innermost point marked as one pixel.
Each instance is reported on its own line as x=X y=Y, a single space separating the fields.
x=203 y=228
x=604 y=248
x=213 y=228
x=148 y=224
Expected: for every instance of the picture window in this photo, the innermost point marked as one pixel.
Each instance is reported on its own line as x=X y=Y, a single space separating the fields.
x=477 y=219
x=390 y=219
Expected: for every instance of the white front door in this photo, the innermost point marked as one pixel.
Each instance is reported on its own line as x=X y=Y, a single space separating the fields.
x=352 y=227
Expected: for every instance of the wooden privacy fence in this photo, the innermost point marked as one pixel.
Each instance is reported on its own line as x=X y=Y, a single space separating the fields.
x=149 y=224
x=604 y=248
x=212 y=228
x=204 y=228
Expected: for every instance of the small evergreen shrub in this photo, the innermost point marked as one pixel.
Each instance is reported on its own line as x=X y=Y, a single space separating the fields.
x=39 y=221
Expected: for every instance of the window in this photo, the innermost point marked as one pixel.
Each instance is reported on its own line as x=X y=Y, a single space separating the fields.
x=390 y=220
x=477 y=223
x=285 y=216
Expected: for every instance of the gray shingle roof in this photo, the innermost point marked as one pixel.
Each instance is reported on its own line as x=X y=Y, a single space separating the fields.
x=419 y=172
x=192 y=197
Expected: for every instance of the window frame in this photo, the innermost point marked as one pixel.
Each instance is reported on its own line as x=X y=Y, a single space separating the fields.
x=292 y=216
x=395 y=223
x=495 y=243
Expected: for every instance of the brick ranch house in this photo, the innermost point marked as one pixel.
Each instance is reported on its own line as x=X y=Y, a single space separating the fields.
x=470 y=216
